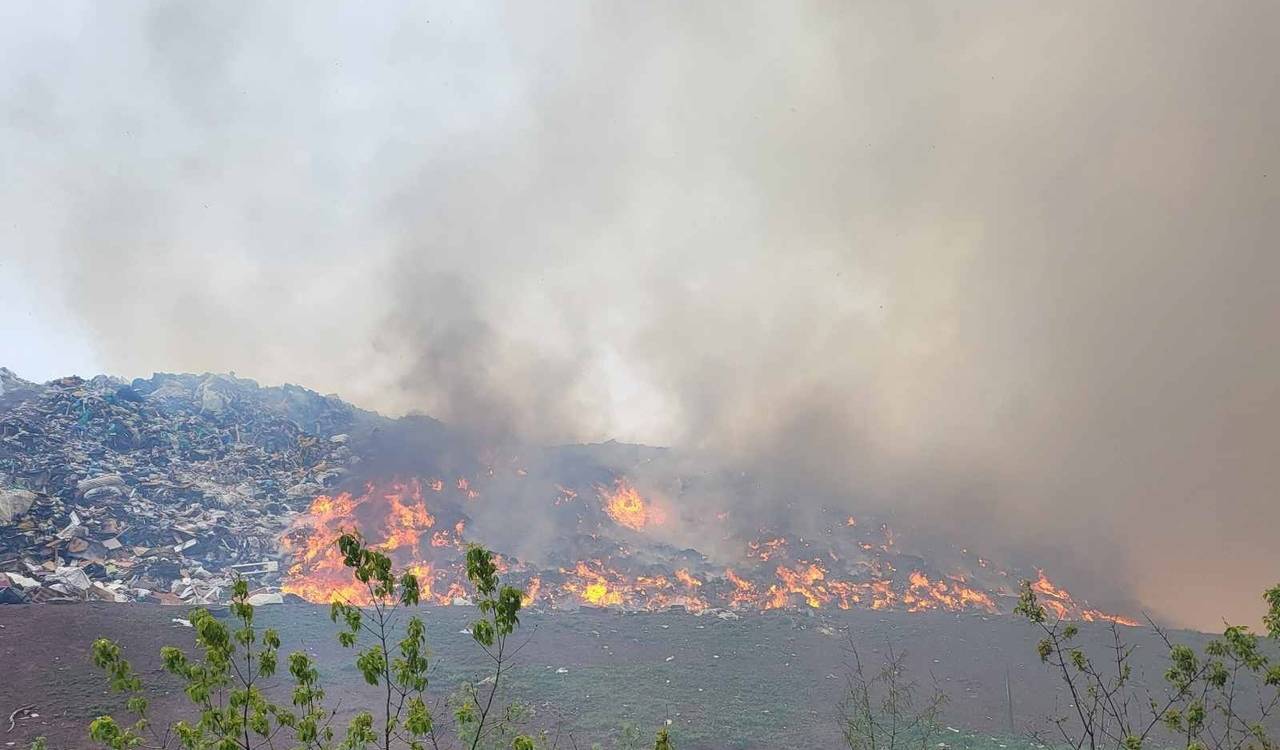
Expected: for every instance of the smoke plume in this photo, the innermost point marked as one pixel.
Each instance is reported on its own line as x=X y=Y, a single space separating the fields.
x=1007 y=271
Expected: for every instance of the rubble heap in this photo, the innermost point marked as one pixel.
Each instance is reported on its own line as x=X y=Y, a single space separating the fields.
x=157 y=489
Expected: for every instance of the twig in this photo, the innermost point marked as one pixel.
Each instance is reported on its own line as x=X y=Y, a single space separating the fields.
x=13 y=717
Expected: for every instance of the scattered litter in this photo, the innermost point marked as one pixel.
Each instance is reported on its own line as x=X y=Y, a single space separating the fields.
x=21 y=581
x=71 y=577
x=23 y=710
x=14 y=504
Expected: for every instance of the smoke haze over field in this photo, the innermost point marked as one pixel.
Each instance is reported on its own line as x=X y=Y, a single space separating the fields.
x=1010 y=270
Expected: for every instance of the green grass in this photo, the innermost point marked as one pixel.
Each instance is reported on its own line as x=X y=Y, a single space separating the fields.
x=764 y=682
x=607 y=698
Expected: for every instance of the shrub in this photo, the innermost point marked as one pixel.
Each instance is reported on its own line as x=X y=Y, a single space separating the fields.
x=886 y=710
x=225 y=682
x=1219 y=699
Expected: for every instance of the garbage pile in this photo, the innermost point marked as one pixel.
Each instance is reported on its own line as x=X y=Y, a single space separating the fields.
x=167 y=489
x=159 y=489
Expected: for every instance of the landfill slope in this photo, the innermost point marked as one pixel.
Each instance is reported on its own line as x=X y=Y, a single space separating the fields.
x=166 y=489
x=158 y=489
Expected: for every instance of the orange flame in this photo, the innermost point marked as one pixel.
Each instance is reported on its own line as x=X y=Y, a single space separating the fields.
x=531 y=591
x=924 y=594
x=1062 y=605
x=428 y=541
x=767 y=549
x=627 y=508
x=397 y=520
x=683 y=576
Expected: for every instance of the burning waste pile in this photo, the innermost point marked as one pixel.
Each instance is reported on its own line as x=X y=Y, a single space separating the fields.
x=165 y=489
x=606 y=557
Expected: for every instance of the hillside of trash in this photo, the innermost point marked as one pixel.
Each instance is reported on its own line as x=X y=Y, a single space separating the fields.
x=159 y=489
x=166 y=489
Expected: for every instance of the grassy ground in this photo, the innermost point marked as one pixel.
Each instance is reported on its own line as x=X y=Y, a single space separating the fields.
x=762 y=681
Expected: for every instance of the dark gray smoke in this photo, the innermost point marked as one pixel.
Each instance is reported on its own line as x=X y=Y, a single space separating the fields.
x=1006 y=270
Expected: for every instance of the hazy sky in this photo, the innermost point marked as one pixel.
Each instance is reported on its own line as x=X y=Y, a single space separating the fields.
x=1010 y=264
